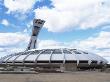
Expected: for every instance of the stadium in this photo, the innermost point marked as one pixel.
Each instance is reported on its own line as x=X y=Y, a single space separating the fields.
x=58 y=59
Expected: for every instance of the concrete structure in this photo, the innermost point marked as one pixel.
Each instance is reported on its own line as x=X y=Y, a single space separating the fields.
x=63 y=59
x=50 y=59
x=37 y=25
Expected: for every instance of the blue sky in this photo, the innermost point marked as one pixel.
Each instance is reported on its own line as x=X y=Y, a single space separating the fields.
x=82 y=24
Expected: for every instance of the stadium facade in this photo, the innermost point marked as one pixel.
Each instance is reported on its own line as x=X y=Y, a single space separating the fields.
x=51 y=59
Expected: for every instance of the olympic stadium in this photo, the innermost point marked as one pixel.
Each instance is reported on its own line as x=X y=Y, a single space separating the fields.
x=51 y=59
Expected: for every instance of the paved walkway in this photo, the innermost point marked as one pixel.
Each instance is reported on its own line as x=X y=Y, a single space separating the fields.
x=57 y=77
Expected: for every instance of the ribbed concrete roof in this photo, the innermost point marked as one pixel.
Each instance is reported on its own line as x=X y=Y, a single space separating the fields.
x=50 y=55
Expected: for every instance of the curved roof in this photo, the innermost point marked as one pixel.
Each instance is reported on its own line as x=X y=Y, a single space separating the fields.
x=50 y=55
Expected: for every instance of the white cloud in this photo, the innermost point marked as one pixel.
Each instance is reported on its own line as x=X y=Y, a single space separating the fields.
x=10 y=39
x=96 y=43
x=70 y=14
x=99 y=44
x=49 y=44
x=13 y=43
x=102 y=41
x=5 y=22
x=108 y=59
x=10 y=50
x=21 y=6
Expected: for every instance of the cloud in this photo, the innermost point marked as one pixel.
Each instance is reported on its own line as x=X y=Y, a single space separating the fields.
x=16 y=42
x=21 y=6
x=70 y=14
x=10 y=50
x=107 y=58
x=10 y=39
x=99 y=44
x=5 y=22
x=102 y=40
x=49 y=44
x=13 y=42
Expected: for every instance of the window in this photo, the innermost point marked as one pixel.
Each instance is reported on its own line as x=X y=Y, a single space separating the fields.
x=9 y=62
x=66 y=52
x=46 y=52
x=83 y=61
x=94 y=62
x=26 y=53
x=17 y=62
x=35 y=52
x=56 y=61
x=36 y=27
x=76 y=52
x=101 y=62
x=70 y=61
x=28 y=61
x=3 y=62
x=42 y=61
x=85 y=52
x=57 y=51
